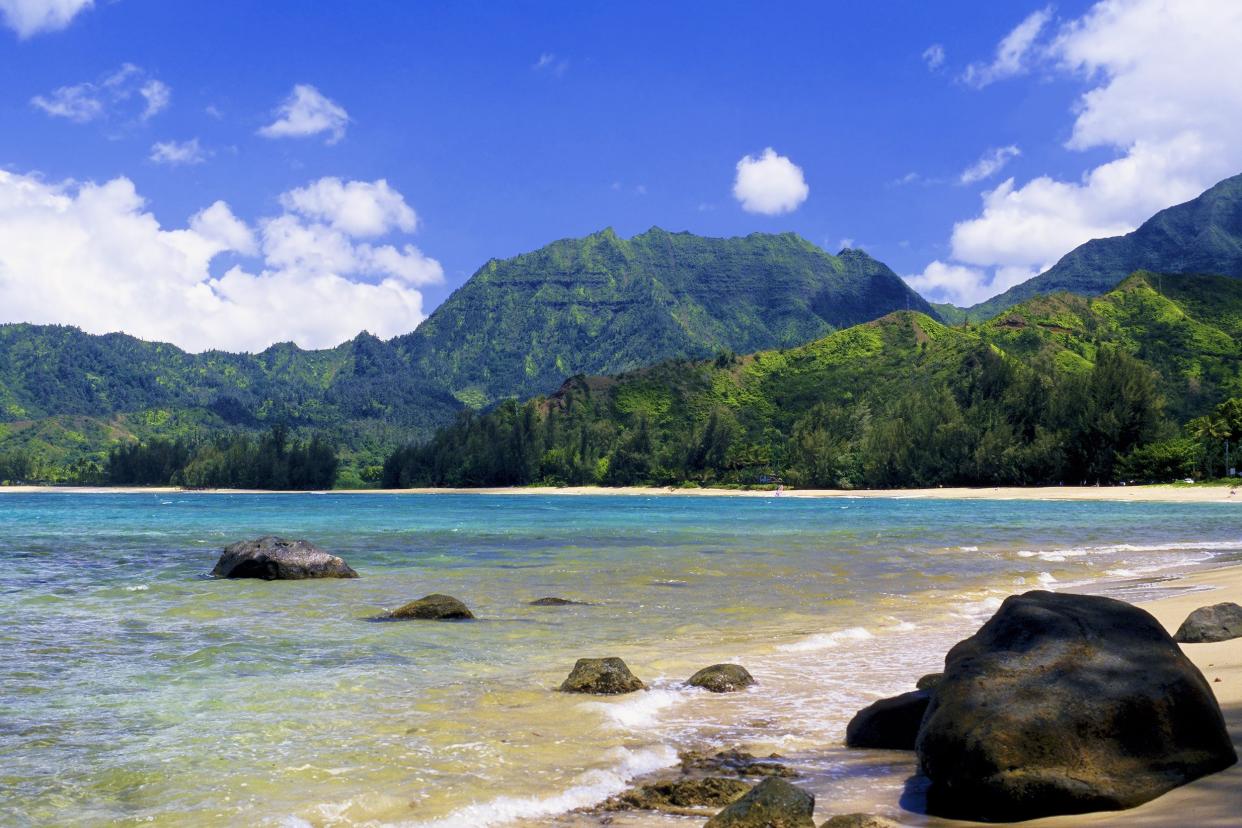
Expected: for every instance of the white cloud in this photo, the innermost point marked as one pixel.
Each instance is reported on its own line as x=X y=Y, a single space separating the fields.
x=770 y=184
x=307 y=112
x=116 y=94
x=92 y=255
x=1012 y=54
x=963 y=285
x=30 y=17
x=934 y=56
x=1163 y=95
x=358 y=208
x=989 y=164
x=177 y=153
x=550 y=62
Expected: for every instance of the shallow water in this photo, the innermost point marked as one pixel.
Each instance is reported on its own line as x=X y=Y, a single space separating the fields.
x=134 y=690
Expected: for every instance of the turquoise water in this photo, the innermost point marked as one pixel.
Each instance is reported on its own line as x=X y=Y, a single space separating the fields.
x=135 y=690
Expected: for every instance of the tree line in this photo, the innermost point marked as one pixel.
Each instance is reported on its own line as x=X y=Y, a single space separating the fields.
x=994 y=421
x=272 y=460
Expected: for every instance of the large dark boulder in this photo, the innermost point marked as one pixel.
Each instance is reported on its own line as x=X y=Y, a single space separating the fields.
x=773 y=803
x=929 y=681
x=434 y=607
x=889 y=724
x=1064 y=704
x=722 y=678
x=602 y=677
x=1219 y=622
x=277 y=559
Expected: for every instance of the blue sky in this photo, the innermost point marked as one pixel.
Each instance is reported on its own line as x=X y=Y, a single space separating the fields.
x=505 y=126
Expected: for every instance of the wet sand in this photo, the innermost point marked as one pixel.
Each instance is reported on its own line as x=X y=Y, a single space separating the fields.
x=1164 y=493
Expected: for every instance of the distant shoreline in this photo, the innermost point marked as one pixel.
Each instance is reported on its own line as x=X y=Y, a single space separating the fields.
x=1198 y=493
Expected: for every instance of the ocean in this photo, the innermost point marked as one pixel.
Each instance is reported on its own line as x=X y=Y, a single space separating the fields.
x=135 y=690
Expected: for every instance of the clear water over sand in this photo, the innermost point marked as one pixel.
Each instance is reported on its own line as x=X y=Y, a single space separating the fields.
x=134 y=690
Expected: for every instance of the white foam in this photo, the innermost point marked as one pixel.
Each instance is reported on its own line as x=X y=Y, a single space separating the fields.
x=138 y=588
x=640 y=710
x=588 y=789
x=1047 y=578
x=826 y=641
x=969 y=548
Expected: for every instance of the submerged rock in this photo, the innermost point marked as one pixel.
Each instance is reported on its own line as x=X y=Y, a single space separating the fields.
x=722 y=678
x=889 y=724
x=277 y=559
x=929 y=681
x=680 y=796
x=601 y=676
x=434 y=607
x=1219 y=622
x=858 y=821
x=773 y=803
x=733 y=761
x=1064 y=704
x=552 y=601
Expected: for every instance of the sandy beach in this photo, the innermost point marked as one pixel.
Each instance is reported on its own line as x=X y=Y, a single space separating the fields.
x=1163 y=493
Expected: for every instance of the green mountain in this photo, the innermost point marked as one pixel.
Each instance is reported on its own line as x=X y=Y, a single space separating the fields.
x=1059 y=388
x=604 y=304
x=518 y=327
x=1200 y=236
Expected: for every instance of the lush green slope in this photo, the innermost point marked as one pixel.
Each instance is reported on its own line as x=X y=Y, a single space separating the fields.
x=604 y=304
x=1200 y=236
x=520 y=326
x=1054 y=389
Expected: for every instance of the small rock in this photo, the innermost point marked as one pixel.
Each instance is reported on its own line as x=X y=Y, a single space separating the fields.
x=602 y=677
x=889 y=724
x=1219 y=622
x=927 y=682
x=773 y=803
x=859 y=821
x=277 y=559
x=722 y=678
x=434 y=607
x=733 y=761
x=552 y=601
x=679 y=796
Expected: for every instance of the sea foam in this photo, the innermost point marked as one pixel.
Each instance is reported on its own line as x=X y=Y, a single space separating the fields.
x=826 y=641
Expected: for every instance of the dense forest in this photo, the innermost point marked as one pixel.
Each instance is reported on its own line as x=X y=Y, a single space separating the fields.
x=1134 y=385
x=274 y=460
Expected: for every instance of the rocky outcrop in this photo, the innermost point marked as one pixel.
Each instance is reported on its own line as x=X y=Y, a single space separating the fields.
x=552 y=601
x=680 y=796
x=773 y=803
x=929 y=681
x=889 y=724
x=858 y=821
x=1219 y=622
x=722 y=678
x=434 y=607
x=1065 y=704
x=277 y=559
x=735 y=762
x=601 y=677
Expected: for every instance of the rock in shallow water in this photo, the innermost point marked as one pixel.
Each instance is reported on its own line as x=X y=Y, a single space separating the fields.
x=929 y=681
x=858 y=821
x=601 y=677
x=277 y=559
x=1064 y=704
x=722 y=678
x=553 y=601
x=733 y=761
x=680 y=795
x=773 y=803
x=1219 y=622
x=889 y=724
x=434 y=607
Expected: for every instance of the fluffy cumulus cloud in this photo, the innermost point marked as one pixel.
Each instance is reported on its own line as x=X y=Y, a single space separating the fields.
x=178 y=153
x=128 y=93
x=989 y=164
x=770 y=184
x=31 y=17
x=306 y=112
x=1163 y=97
x=92 y=255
